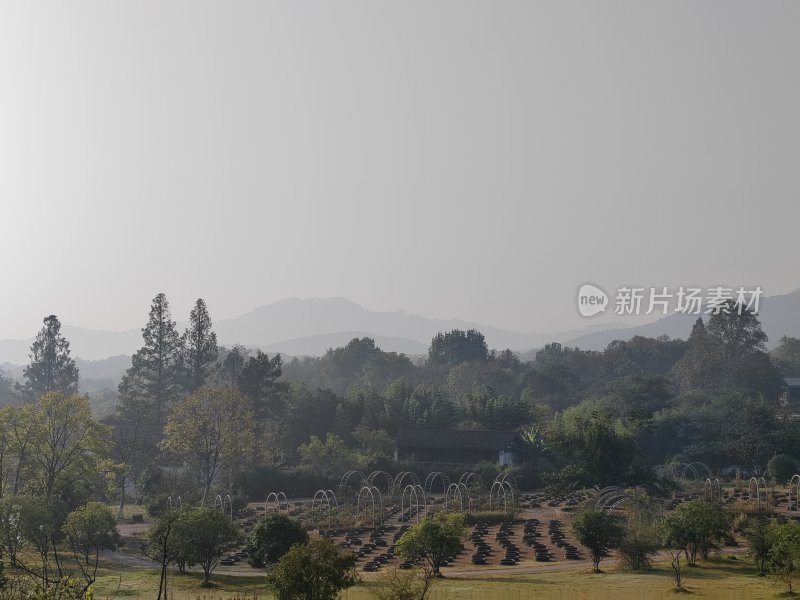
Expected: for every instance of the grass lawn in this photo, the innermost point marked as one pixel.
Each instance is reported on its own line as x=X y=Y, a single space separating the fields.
x=129 y=510
x=722 y=578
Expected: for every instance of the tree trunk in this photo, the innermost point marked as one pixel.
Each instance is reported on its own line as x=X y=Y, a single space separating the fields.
x=162 y=584
x=676 y=566
x=121 y=510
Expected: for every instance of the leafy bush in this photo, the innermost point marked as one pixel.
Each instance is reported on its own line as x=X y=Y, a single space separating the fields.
x=781 y=467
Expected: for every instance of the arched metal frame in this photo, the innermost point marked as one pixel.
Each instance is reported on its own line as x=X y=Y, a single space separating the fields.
x=759 y=483
x=665 y=472
x=501 y=488
x=324 y=499
x=280 y=501
x=794 y=486
x=469 y=479
x=377 y=510
x=466 y=493
x=414 y=492
x=508 y=478
x=610 y=498
x=702 y=467
x=689 y=468
x=219 y=504
x=712 y=490
x=331 y=495
x=176 y=503
x=370 y=481
x=454 y=490
x=403 y=480
x=431 y=479
x=347 y=481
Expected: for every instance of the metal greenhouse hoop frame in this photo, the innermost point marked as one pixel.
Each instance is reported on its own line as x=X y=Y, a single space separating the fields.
x=454 y=490
x=414 y=493
x=324 y=499
x=370 y=481
x=344 y=482
x=431 y=479
x=505 y=489
x=400 y=482
x=276 y=499
x=712 y=490
x=377 y=511
x=794 y=491
x=610 y=498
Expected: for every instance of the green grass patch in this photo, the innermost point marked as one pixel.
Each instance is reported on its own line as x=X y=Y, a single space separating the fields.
x=721 y=578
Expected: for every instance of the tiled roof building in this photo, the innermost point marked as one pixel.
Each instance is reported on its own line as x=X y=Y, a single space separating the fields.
x=456 y=447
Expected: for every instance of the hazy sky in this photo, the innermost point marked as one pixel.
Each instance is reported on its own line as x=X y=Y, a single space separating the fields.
x=455 y=159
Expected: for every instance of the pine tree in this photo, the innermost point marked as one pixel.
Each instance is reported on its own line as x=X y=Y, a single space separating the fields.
x=698 y=331
x=259 y=382
x=154 y=374
x=51 y=368
x=728 y=353
x=232 y=366
x=199 y=347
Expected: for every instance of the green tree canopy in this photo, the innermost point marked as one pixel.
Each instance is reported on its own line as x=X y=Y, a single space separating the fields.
x=51 y=368
x=66 y=448
x=434 y=540
x=728 y=354
x=88 y=530
x=212 y=432
x=599 y=532
x=201 y=532
x=272 y=537
x=317 y=570
x=199 y=345
x=695 y=526
x=155 y=373
x=784 y=555
x=458 y=346
x=781 y=468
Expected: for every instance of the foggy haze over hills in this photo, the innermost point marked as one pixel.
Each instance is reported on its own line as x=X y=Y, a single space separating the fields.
x=475 y=162
x=298 y=327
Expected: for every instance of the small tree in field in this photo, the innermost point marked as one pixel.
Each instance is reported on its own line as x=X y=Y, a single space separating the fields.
x=88 y=530
x=642 y=536
x=781 y=467
x=599 y=532
x=394 y=584
x=202 y=531
x=696 y=526
x=784 y=556
x=317 y=570
x=758 y=532
x=674 y=541
x=433 y=540
x=161 y=536
x=273 y=536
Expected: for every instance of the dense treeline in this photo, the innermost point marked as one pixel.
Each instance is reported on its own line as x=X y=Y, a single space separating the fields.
x=238 y=420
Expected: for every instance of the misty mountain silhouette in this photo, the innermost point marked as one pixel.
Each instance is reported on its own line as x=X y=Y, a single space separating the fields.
x=297 y=327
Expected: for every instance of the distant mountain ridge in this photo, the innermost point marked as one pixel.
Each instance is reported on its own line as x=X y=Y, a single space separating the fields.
x=298 y=327
x=779 y=315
